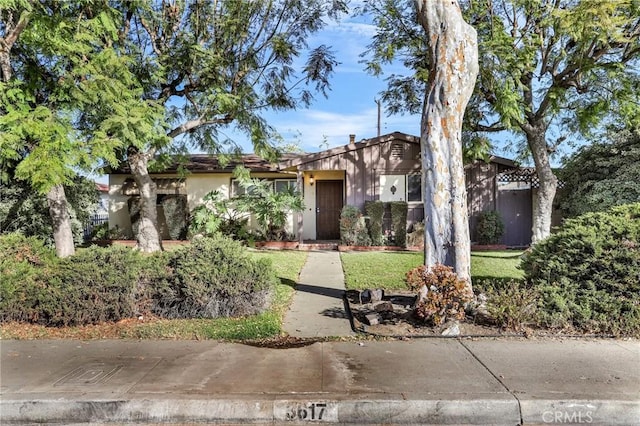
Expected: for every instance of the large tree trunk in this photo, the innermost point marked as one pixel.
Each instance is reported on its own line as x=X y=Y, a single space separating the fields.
x=59 y=212
x=543 y=205
x=454 y=68
x=147 y=236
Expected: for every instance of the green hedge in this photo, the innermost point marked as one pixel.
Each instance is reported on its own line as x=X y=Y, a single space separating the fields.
x=588 y=273
x=490 y=227
x=375 y=211
x=353 y=230
x=209 y=278
x=215 y=277
x=399 y=222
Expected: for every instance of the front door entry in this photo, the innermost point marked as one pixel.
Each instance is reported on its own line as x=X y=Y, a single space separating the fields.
x=329 y=196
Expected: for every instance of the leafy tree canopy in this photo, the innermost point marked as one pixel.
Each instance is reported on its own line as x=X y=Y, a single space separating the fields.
x=215 y=63
x=602 y=175
x=68 y=100
x=573 y=64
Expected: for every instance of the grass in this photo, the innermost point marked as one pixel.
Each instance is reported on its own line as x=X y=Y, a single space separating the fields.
x=287 y=266
x=387 y=269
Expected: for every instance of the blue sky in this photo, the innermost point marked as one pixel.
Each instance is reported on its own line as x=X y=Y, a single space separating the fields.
x=350 y=107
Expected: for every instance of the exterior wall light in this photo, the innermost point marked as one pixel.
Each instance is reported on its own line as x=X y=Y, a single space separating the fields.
x=311 y=180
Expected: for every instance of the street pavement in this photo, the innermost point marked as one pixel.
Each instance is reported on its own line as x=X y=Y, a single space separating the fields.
x=504 y=381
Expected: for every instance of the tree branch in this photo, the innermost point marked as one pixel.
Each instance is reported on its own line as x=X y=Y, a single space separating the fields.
x=495 y=127
x=190 y=125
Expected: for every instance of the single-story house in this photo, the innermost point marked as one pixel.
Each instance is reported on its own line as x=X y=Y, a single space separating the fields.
x=385 y=168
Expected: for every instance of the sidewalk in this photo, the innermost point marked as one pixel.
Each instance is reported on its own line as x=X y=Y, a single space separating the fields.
x=317 y=309
x=431 y=381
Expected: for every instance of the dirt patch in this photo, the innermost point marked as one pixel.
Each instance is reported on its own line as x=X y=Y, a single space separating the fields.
x=395 y=318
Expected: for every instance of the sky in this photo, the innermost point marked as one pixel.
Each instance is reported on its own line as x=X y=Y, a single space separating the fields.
x=350 y=107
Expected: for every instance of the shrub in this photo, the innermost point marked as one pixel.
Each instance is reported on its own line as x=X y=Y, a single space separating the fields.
x=399 y=222
x=490 y=227
x=375 y=211
x=588 y=272
x=602 y=174
x=175 y=212
x=26 y=211
x=271 y=208
x=511 y=304
x=214 y=277
x=22 y=260
x=94 y=285
x=218 y=214
x=353 y=230
x=446 y=297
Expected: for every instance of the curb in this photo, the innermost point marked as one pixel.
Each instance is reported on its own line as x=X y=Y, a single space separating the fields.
x=609 y=412
x=296 y=411
x=477 y=411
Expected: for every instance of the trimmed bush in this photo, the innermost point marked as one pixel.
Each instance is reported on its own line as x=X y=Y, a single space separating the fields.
x=490 y=228
x=353 y=230
x=375 y=211
x=22 y=261
x=446 y=297
x=94 y=285
x=511 y=304
x=214 y=277
x=588 y=273
x=399 y=222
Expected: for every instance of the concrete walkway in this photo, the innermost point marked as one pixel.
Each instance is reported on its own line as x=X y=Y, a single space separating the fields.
x=429 y=381
x=317 y=309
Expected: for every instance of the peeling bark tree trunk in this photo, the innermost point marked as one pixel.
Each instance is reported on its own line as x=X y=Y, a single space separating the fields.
x=543 y=207
x=59 y=212
x=148 y=237
x=454 y=68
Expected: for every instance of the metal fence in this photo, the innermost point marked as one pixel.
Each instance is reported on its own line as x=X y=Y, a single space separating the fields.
x=94 y=220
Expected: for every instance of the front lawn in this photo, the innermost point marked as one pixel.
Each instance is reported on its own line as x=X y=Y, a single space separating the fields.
x=287 y=265
x=388 y=269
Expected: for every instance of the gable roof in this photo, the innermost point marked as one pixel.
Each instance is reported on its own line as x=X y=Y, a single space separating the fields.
x=208 y=163
x=364 y=143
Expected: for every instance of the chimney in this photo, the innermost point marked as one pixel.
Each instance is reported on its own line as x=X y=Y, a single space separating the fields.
x=352 y=139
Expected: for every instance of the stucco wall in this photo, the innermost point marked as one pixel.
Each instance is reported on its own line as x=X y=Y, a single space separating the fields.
x=197 y=186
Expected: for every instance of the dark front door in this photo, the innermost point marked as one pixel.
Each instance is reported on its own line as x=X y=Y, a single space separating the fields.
x=328 y=208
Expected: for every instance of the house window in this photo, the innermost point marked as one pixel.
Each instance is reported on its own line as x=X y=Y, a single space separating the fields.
x=279 y=185
x=282 y=185
x=414 y=188
x=401 y=188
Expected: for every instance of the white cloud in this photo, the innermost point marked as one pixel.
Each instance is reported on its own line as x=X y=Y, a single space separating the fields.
x=324 y=129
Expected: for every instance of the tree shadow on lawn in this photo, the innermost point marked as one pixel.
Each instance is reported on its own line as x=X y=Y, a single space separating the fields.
x=490 y=255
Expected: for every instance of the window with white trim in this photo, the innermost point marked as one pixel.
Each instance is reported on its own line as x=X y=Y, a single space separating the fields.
x=279 y=185
x=401 y=188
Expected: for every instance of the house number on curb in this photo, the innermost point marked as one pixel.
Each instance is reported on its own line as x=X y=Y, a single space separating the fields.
x=300 y=411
